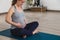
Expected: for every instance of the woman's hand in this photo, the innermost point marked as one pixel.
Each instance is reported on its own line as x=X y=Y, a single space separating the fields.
x=18 y=25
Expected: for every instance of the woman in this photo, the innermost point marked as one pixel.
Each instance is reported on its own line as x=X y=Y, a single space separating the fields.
x=16 y=18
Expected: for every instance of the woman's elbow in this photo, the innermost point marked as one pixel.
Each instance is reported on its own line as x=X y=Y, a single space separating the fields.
x=6 y=20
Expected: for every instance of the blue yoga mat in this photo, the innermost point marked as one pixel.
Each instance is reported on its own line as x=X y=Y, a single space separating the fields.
x=38 y=36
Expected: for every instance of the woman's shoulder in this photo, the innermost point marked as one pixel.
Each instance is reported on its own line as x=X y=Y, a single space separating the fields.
x=11 y=8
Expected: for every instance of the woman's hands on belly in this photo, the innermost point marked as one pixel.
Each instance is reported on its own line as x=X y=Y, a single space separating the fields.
x=18 y=25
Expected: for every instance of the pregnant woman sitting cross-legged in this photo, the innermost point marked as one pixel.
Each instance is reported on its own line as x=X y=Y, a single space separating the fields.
x=16 y=18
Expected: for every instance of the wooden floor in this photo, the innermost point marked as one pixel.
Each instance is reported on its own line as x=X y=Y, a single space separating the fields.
x=49 y=22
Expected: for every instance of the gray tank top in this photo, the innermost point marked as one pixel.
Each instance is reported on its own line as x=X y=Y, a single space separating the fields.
x=18 y=17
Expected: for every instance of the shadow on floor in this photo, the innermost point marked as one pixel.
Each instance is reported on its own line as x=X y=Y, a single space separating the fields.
x=38 y=36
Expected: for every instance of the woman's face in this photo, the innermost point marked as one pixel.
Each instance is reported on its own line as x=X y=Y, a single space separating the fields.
x=20 y=2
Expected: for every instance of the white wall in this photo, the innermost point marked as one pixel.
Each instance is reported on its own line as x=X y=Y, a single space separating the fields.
x=5 y=5
x=51 y=4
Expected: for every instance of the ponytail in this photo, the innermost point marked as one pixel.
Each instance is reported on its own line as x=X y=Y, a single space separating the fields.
x=14 y=2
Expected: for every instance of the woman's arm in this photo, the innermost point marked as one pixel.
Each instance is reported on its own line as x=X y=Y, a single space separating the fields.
x=9 y=19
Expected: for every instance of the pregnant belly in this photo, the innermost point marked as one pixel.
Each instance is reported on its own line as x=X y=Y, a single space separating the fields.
x=21 y=21
x=23 y=24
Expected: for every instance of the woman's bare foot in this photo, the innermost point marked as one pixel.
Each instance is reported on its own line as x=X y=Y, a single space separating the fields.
x=36 y=31
x=24 y=36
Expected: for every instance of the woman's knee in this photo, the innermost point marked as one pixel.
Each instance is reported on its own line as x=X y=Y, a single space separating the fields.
x=36 y=23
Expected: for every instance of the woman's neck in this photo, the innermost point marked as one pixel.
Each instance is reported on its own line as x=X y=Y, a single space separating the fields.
x=17 y=5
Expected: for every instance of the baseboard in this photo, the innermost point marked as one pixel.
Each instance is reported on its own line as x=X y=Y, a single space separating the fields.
x=7 y=12
x=3 y=13
x=53 y=10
